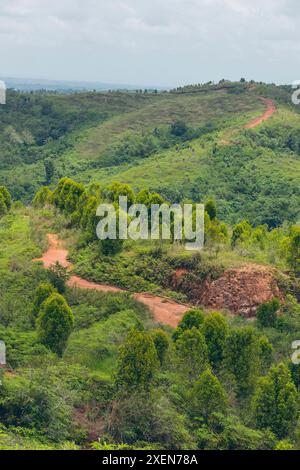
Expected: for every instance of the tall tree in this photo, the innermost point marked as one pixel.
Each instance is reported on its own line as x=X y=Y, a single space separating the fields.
x=138 y=361
x=42 y=292
x=242 y=358
x=6 y=196
x=55 y=323
x=294 y=250
x=49 y=170
x=215 y=330
x=208 y=396
x=161 y=343
x=275 y=402
x=192 y=318
x=192 y=353
x=211 y=208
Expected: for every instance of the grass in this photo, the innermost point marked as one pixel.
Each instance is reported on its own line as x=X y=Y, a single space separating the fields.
x=97 y=347
x=16 y=242
x=165 y=109
x=120 y=113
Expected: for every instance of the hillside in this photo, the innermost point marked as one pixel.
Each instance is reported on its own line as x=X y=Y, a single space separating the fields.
x=119 y=345
x=126 y=137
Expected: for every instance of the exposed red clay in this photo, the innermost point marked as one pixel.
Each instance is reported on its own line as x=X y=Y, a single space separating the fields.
x=164 y=311
x=271 y=109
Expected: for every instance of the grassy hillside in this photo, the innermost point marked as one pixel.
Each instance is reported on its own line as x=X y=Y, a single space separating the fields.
x=98 y=369
x=73 y=401
x=128 y=137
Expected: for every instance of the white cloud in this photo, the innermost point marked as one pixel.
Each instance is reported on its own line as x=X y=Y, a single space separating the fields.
x=162 y=41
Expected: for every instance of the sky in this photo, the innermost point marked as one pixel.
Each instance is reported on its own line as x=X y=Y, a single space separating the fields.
x=150 y=42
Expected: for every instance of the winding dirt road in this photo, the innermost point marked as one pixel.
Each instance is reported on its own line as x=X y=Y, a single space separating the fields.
x=271 y=109
x=164 y=311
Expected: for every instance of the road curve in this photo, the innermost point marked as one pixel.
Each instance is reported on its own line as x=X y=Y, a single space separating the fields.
x=163 y=310
x=271 y=109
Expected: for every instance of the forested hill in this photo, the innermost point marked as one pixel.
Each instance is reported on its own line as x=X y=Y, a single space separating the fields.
x=189 y=143
x=142 y=344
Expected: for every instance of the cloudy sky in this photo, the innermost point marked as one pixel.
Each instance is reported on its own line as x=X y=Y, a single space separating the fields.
x=150 y=42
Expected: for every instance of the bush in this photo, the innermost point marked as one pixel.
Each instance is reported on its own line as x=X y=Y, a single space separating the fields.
x=267 y=313
x=55 y=323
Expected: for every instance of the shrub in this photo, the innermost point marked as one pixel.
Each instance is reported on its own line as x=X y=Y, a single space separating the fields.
x=55 y=323
x=266 y=313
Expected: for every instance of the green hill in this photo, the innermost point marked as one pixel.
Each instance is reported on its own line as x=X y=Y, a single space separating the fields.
x=149 y=360
x=128 y=137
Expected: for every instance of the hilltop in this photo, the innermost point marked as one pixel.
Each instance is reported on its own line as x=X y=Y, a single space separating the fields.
x=128 y=137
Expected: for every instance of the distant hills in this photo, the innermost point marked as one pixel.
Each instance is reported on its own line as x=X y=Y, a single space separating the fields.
x=64 y=86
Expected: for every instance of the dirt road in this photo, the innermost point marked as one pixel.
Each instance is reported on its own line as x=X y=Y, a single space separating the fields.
x=164 y=311
x=271 y=109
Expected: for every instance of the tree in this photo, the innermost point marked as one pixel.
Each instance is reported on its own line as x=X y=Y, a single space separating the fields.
x=88 y=216
x=3 y=207
x=275 y=402
x=67 y=195
x=137 y=362
x=49 y=170
x=192 y=318
x=6 y=196
x=161 y=343
x=55 y=323
x=215 y=330
x=115 y=190
x=211 y=208
x=242 y=358
x=241 y=232
x=179 y=128
x=42 y=292
x=192 y=353
x=294 y=250
x=266 y=313
x=265 y=353
x=43 y=196
x=58 y=276
x=208 y=396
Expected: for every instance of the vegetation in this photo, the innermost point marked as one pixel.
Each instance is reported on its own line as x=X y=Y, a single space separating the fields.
x=94 y=369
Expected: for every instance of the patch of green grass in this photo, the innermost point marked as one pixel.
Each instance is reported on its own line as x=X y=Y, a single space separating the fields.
x=97 y=347
x=16 y=242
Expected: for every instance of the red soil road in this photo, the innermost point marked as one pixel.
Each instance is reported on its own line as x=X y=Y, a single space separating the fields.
x=164 y=311
x=271 y=109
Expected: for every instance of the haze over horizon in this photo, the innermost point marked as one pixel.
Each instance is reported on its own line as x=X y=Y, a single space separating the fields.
x=136 y=42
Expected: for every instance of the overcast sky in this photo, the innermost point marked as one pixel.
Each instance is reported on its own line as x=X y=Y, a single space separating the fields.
x=151 y=42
